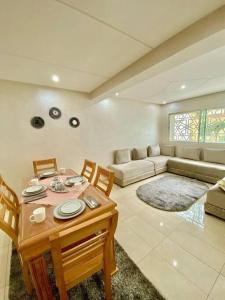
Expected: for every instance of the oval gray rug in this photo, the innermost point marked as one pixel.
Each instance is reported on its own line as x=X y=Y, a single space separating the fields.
x=172 y=192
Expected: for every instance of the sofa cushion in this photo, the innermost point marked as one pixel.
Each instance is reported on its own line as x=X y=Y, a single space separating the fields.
x=139 y=153
x=214 y=155
x=154 y=150
x=132 y=169
x=216 y=197
x=167 y=150
x=160 y=161
x=209 y=172
x=122 y=156
x=190 y=153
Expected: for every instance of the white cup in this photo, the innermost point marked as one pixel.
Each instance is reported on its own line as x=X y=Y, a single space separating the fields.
x=62 y=170
x=38 y=215
x=34 y=181
x=77 y=186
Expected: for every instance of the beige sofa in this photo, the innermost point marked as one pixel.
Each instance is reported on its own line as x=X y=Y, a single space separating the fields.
x=203 y=164
x=133 y=165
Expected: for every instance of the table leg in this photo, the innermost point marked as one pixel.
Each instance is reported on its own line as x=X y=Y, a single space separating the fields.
x=39 y=275
x=26 y=278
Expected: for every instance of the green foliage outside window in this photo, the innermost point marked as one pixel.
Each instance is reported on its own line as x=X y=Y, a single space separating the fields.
x=205 y=126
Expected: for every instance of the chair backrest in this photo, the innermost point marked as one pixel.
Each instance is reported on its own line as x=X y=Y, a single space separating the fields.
x=44 y=165
x=8 y=194
x=9 y=211
x=88 y=170
x=104 y=180
x=82 y=250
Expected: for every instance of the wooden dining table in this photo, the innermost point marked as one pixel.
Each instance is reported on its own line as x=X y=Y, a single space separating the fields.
x=33 y=239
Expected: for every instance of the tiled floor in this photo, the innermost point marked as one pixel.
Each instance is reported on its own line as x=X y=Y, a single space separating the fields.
x=182 y=254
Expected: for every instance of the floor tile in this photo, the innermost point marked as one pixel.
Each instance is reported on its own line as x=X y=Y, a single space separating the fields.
x=199 y=248
x=223 y=271
x=4 y=239
x=172 y=284
x=208 y=235
x=6 y=293
x=2 y=293
x=134 y=245
x=3 y=265
x=162 y=223
x=189 y=266
x=218 y=291
x=144 y=230
x=7 y=274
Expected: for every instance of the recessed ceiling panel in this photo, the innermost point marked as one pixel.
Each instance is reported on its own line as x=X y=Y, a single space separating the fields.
x=149 y=21
x=51 y=32
x=202 y=75
x=31 y=71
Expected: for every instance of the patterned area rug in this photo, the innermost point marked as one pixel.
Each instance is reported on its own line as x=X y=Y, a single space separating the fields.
x=172 y=192
x=127 y=284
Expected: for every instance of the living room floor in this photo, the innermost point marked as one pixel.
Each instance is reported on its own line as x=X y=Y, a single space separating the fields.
x=182 y=254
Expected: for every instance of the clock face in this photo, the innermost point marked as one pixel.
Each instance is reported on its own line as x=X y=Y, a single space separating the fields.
x=55 y=113
x=74 y=122
x=37 y=122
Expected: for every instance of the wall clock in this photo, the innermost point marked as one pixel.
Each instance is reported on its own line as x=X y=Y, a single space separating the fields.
x=55 y=113
x=37 y=122
x=74 y=122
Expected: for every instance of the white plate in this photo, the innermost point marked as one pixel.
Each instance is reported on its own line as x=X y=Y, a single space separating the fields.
x=25 y=194
x=58 y=216
x=70 y=207
x=33 y=189
x=73 y=180
x=48 y=174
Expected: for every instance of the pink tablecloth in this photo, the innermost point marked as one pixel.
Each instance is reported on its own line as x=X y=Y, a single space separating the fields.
x=54 y=198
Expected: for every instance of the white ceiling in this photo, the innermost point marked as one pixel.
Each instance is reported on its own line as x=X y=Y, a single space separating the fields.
x=86 y=42
x=202 y=75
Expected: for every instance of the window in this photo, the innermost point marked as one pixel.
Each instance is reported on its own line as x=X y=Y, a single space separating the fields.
x=206 y=126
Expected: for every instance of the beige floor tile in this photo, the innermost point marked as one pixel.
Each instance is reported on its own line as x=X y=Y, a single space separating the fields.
x=199 y=248
x=223 y=271
x=4 y=239
x=6 y=293
x=3 y=265
x=134 y=245
x=161 y=222
x=144 y=230
x=2 y=293
x=189 y=266
x=218 y=291
x=8 y=264
x=208 y=235
x=172 y=284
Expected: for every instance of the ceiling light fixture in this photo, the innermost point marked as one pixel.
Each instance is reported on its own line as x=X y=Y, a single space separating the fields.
x=164 y=102
x=116 y=94
x=55 y=78
x=183 y=86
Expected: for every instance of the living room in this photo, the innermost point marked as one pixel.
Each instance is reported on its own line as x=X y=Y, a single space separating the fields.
x=132 y=89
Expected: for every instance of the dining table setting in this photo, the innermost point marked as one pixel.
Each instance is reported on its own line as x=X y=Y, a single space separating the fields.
x=49 y=203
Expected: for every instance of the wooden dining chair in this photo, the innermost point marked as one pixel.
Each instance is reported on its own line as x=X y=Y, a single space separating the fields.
x=8 y=194
x=104 y=180
x=81 y=251
x=44 y=165
x=88 y=170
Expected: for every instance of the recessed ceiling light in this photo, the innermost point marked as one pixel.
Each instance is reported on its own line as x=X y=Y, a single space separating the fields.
x=164 y=102
x=116 y=94
x=175 y=263
x=55 y=78
x=183 y=86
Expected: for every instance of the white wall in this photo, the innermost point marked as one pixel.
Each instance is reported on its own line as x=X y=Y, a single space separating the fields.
x=105 y=126
x=216 y=100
